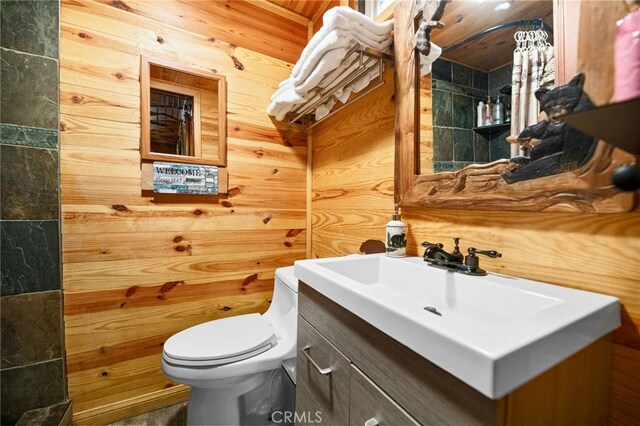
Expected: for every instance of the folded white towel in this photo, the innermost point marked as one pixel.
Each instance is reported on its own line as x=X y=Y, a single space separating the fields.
x=335 y=39
x=330 y=81
x=275 y=109
x=343 y=94
x=351 y=16
x=279 y=110
x=343 y=17
x=426 y=61
x=358 y=85
x=283 y=87
x=323 y=110
x=349 y=65
x=284 y=100
x=327 y=63
x=290 y=95
x=323 y=58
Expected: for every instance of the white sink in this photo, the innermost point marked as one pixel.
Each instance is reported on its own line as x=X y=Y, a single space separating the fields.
x=494 y=332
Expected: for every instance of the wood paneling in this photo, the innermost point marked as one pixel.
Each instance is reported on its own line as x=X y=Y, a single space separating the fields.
x=425 y=109
x=233 y=22
x=306 y=8
x=353 y=174
x=139 y=267
x=594 y=252
x=624 y=403
x=571 y=393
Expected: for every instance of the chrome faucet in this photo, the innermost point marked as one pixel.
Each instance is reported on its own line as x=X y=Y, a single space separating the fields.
x=455 y=261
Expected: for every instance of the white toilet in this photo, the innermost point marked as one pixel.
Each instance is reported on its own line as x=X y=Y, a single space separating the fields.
x=234 y=365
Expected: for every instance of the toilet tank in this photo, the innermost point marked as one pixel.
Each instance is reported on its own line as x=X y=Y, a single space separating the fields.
x=283 y=311
x=286 y=276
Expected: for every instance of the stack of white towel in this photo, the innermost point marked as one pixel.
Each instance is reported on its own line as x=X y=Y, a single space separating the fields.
x=342 y=28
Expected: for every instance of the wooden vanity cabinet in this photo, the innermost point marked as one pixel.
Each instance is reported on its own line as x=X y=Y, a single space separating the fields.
x=346 y=395
x=369 y=405
x=326 y=396
x=375 y=380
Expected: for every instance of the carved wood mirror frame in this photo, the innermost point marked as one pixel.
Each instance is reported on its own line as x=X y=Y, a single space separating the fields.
x=480 y=186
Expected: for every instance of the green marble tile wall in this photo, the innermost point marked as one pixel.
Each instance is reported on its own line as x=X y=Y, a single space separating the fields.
x=456 y=92
x=32 y=352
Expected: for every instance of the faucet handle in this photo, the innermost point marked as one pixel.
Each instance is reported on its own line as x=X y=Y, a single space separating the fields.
x=429 y=247
x=427 y=244
x=491 y=253
x=472 y=262
x=456 y=250
x=456 y=241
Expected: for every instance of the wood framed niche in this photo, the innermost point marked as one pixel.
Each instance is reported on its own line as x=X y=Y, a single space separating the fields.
x=183 y=114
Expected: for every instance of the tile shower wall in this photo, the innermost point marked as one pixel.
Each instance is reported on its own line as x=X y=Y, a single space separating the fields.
x=31 y=365
x=456 y=92
x=498 y=78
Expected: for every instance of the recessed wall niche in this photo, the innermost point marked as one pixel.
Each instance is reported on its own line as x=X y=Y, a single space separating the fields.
x=182 y=114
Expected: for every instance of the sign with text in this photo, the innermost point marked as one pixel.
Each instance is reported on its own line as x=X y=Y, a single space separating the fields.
x=174 y=178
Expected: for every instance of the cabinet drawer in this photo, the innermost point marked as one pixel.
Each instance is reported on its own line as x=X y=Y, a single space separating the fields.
x=320 y=399
x=370 y=406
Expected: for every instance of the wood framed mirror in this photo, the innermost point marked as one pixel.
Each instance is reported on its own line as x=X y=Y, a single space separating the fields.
x=183 y=114
x=482 y=185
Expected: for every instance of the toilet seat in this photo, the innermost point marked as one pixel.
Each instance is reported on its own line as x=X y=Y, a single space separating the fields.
x=221 y=341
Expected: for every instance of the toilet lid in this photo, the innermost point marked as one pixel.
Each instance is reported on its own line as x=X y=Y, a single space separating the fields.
x=222 y=341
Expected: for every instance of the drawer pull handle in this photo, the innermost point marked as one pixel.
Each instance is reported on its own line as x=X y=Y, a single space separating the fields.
x=371 y=422
x=323 y=371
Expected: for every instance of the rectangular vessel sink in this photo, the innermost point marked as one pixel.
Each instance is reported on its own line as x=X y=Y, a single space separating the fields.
x=492 y=332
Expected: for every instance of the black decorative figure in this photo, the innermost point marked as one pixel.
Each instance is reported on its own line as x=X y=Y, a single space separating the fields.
x=561 y=148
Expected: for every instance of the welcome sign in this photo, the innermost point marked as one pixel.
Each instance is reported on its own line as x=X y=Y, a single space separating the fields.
x=174 y=178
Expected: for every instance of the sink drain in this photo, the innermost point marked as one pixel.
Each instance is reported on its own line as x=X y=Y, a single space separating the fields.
x=432 y=310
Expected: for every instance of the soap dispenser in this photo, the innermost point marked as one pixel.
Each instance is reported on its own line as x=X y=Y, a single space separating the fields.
x=396 y=235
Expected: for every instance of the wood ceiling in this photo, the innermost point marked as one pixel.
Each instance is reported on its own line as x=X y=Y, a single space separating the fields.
x=310 y=9
x=464 y=18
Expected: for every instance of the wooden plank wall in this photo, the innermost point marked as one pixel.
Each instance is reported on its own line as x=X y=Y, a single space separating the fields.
x=137 y=267
x=353 y=156
x=352 y=184
x=426 y=126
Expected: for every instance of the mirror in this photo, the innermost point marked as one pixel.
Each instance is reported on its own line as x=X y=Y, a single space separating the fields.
x=442 y=163
x=173 y=118
x=183 y=114
x=476 y=64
